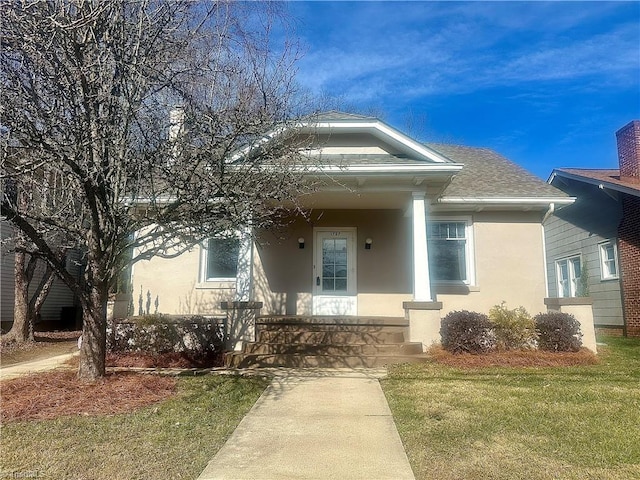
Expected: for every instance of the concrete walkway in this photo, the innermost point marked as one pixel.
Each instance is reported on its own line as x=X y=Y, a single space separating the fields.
x=320 y=424
x=25 y=368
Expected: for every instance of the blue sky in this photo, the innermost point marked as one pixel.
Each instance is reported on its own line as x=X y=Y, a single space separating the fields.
x=546 y=84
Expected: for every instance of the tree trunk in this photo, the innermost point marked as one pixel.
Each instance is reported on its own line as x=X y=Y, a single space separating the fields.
x=19 y=332
x=94 y=335
x=38 y=298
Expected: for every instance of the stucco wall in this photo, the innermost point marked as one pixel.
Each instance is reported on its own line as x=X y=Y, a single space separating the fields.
x=283 y=272
x=508 y=257
x=175 y=284
x=509 y=265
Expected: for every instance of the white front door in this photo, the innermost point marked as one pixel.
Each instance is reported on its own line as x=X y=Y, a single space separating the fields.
x=334 y=270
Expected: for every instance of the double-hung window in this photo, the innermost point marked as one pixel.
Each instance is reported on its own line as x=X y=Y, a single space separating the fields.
x=568 y=273
x=450 y=251
x=220 y=259
x=608 y=260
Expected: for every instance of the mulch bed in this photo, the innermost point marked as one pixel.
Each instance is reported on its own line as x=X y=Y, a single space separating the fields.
x=59 y=393
x=165 y=360
x=514 y=358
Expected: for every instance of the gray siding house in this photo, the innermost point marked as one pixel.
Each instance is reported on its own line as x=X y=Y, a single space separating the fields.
x=57 y=310
x=593 y=245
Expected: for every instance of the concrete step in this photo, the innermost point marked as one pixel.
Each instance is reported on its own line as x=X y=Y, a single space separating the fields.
x=362 y=349
x=240 y=360
x=317 y=327
x=332 y=336
x=276 y=320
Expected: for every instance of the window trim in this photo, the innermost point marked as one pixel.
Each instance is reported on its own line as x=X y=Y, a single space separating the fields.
x=603 y=268
x=573 y=280
x=469 y=248
x=204 y=259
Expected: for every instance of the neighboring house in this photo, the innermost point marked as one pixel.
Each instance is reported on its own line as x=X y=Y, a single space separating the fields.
x=394 y=225
x=58 y=310
x=593 y=246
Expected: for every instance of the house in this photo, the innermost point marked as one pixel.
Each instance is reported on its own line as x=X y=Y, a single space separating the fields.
x=396 y=228
x=593 y=246
x=59 y=310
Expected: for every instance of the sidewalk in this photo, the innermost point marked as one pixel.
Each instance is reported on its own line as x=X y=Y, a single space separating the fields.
x=323 y=424
x=25 y=368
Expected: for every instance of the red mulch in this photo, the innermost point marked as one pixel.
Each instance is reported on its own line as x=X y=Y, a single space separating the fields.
x=58 y=393
x=514 y=358
x=165 y=360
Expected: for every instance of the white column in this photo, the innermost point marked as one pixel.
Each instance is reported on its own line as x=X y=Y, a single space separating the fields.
x=245 y=267
x=421 y=280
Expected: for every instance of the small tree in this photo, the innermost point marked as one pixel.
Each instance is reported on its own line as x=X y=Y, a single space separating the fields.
x=87 y=88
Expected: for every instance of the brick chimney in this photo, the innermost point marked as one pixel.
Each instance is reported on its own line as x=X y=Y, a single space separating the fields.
x=628 y=138
x=629 y=229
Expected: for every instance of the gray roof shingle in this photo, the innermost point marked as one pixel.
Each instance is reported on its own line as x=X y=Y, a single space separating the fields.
x=487 y=174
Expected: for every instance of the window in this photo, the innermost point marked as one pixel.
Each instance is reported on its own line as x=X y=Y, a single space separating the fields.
x=569 y=272
x=450 y=251
x=221 y=259
x=608 y=260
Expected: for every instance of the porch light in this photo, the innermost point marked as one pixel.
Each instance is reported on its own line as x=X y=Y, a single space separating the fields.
x=367 y=244
x=301 y=242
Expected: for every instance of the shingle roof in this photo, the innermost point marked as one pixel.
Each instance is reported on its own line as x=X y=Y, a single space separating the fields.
x=337 y=115
x=607 y=176
x=486 y=174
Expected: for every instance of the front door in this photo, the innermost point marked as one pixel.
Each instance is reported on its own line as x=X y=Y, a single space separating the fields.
x=334 y=270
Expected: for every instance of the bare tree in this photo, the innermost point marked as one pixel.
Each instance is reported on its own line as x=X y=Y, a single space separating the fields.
x=88 y=88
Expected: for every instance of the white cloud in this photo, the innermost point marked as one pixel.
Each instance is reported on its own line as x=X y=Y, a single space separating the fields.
x=365 y=51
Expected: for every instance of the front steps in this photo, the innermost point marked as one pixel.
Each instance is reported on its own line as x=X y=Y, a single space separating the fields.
x=327 y=342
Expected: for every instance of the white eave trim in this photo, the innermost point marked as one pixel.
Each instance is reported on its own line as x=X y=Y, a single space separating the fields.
x=384 y=169
x=383 y=130
x=507 y=200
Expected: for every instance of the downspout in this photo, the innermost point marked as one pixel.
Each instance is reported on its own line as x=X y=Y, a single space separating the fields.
x=552 y=208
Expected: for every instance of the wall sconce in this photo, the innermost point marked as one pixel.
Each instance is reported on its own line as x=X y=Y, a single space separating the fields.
x=301 y=242
x=367 y=244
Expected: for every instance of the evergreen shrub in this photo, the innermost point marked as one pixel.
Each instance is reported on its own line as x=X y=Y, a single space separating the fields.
x=514 y=329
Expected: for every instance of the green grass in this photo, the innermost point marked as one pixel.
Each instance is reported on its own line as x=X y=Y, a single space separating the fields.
x=171 y=440
x=527 y=423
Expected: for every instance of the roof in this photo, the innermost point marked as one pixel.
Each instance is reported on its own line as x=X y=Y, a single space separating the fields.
x=603 y=178
x=487 y=174
x=342 y=116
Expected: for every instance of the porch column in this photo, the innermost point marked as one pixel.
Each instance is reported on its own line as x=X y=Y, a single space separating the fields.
x=241 y=315
x=245 y=267
x=421 y=280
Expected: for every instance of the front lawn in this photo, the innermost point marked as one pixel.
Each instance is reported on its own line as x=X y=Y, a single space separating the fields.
x=173 y=439
x=522 y=423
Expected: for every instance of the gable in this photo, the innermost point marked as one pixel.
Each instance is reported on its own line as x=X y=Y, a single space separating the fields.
x=357 y=139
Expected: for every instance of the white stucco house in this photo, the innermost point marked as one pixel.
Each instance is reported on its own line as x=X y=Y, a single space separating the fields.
x=396 y=229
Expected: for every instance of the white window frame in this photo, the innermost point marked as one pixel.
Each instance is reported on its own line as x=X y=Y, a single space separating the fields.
x=604 y=270
x=469 y=251
x=204 y=260
x=573 y=281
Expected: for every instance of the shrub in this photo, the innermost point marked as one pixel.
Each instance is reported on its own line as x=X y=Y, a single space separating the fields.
x=164 y=333
x=514 y=329
x=465 y=331
x=558 y=332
